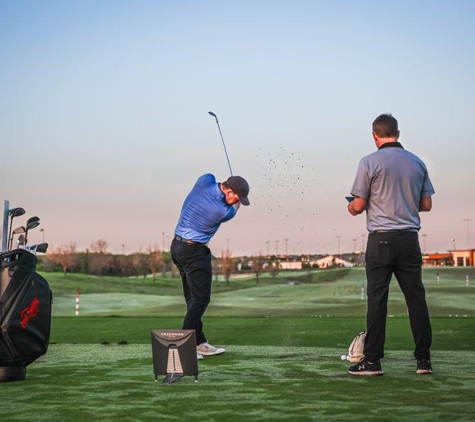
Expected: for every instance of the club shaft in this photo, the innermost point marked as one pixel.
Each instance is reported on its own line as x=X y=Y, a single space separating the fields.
x=224 y=145
x=6 y=208
x=10 y=232
x=222 y=140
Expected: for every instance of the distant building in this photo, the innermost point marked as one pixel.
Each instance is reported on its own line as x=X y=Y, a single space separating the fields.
x=456 y=258
x=464 y=258
x=438 y=260
x=290 y=265
x=331 y=261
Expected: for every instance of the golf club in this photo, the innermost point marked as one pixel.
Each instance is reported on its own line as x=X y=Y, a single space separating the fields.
x=31 y=224
x=18 y=230
x=39 y=247
x=14 y=212
x=224 y=145
x=20 y=241
x=25 y=300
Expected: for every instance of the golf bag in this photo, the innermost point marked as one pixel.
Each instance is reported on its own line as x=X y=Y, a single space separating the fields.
x=25 y=314
x=356 y=349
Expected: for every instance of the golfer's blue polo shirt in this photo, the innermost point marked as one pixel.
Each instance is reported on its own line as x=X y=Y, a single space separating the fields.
x=203 y=211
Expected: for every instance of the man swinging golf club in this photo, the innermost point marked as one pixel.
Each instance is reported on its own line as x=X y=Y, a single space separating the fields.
x=207 y=206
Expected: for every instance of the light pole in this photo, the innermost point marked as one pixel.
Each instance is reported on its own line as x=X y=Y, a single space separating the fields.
x=163 y=241
x=354 y=245
x=424 y=240
x=362 y=243
x=277 y=247
x=286 y=248
x=467 y=220
x=42 y=235
x=123 y=249
x=453 y=247
x=267 y=244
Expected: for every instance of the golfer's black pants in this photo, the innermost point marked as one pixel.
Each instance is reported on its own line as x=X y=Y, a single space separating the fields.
x=194 y=263
x=398 y=253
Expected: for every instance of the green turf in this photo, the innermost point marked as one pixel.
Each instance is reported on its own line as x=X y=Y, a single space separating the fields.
x=449 y=333
x=333 y=293
x=116 y=383
x=283 y=343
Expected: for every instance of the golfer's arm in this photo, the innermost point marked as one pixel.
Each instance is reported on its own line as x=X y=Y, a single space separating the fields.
x=425 y=204
x=357 y=206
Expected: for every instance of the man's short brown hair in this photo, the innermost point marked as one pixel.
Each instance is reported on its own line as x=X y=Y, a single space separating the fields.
x=385 y=126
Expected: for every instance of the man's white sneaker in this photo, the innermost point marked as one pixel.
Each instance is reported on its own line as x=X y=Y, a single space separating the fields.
x=206 y=349
x=199 y=356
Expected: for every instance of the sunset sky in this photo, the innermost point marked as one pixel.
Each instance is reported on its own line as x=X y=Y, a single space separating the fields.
x=104 y=124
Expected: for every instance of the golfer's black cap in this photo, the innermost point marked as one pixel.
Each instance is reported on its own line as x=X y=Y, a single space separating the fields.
x=239 y=186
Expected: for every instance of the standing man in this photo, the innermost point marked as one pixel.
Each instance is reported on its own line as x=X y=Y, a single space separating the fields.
x=393 y=186
x=207 y=206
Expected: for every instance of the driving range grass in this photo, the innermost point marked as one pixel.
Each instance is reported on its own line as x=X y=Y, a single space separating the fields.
x=330 y=293
x=274 y=369
x=283 y=343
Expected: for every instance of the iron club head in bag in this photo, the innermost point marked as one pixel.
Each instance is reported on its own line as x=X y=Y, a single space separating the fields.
x=14 y=212
x=31 y=224
x=21 y=241
x=18 y=230
x=38 y=247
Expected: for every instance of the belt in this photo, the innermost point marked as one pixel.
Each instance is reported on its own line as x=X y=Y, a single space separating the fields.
x=188 y=241
x=396 y=231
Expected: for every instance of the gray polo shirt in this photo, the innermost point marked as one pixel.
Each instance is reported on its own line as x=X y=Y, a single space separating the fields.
x=393 y=181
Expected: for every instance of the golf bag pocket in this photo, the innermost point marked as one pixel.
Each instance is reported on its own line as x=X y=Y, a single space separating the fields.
x=25 y=317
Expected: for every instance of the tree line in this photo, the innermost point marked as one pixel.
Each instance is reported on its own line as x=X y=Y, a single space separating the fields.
x=96 y=260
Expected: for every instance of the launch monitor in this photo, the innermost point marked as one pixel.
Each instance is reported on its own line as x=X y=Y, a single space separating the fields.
x=174 y=354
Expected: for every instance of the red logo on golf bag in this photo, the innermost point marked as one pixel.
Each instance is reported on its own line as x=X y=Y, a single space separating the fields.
x=29 y=313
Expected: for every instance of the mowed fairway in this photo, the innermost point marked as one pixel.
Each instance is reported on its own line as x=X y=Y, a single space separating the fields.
x=331 y=293
x=282 y=362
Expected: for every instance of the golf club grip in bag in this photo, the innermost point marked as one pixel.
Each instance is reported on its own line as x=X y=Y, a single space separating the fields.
x=25 y=311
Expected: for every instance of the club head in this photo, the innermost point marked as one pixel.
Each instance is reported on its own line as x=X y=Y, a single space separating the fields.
x=19 y=230
x=41 y=247
x=32 y=220
x=32 y=223
x=16 y=212
x=38 y=247
x=212 y=114
x=21 y=240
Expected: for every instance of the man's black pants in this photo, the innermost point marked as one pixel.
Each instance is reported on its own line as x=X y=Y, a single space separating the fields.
x=194 y=263
x=398 y=253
